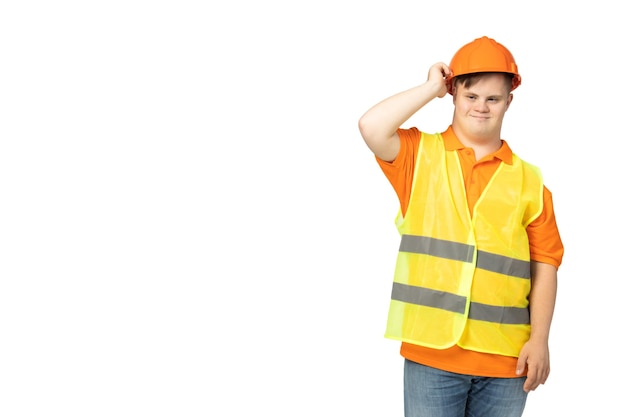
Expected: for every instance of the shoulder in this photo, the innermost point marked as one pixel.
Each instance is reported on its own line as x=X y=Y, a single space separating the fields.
x=411 y=134
x=411 y=138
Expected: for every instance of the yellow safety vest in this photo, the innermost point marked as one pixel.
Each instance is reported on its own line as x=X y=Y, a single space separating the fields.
x=463 y=279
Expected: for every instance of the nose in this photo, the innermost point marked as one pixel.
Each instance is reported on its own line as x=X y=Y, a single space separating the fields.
x=481 y=106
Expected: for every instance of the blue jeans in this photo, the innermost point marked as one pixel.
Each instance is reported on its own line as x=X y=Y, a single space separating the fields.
x=430 y=392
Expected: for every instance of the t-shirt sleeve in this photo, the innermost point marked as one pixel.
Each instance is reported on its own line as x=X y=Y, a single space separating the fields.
x=399 y=172
x=543 y=235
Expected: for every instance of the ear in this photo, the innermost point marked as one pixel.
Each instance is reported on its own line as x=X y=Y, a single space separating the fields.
x=509 y=100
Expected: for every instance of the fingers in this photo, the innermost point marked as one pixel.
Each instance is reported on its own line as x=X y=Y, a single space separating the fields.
x=439 y=73
x=521 y=364
x=536 y=376
x=439 y=69
x=444 y=70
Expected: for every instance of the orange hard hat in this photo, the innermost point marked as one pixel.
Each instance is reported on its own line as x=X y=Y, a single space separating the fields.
x=483 y=55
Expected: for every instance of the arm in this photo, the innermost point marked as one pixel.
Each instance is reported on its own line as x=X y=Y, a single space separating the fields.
x=535 y=353
x=379 y=124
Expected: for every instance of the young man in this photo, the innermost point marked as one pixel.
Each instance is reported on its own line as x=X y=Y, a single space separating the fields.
x=476 y=276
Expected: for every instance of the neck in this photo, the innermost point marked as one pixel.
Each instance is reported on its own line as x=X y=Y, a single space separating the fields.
x=482 y=145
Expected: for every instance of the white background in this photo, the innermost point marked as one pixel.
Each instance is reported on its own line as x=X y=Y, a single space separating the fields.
x=191 y=224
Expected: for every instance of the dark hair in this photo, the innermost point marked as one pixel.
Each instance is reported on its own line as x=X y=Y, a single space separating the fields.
x=468 y=80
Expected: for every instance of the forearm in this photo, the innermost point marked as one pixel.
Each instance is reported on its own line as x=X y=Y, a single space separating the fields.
x=542 y=299
x=380 y=123
x=384 y=118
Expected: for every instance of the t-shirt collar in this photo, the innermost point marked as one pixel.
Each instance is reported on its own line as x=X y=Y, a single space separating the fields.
x=452 y=143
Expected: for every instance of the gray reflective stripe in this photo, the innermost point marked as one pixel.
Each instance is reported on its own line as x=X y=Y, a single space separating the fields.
x=499 y=314
x=456 y=304
x=427 y=297
x=503 y=264
x=465 y=253
x=437 y=247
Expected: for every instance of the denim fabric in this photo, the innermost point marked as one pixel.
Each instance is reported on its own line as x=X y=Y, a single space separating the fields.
x=430 y=392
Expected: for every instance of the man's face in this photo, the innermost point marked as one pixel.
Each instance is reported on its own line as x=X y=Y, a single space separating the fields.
x=479 y=109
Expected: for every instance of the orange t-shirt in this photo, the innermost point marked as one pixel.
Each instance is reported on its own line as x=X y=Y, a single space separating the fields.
x=543 y=235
